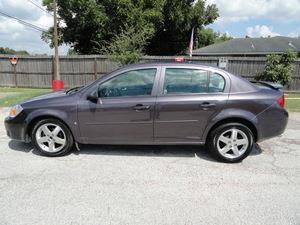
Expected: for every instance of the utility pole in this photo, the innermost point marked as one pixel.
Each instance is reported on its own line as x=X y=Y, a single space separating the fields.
x=57 y=83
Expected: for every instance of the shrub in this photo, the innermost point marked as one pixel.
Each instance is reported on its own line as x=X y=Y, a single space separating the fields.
x=279 y=68
x=128 y=47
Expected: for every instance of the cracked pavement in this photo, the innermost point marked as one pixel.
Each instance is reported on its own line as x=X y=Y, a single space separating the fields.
x=151 y=184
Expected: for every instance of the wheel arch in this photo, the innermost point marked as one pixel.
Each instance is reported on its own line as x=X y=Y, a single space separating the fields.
x=36 y=119
x=240 y=120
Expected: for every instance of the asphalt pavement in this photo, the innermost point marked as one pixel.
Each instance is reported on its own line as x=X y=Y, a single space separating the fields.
x=161 y=185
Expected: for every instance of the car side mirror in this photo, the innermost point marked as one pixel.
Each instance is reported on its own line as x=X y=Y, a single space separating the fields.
x=93 y=97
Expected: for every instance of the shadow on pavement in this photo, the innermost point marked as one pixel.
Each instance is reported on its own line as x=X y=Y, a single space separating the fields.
x=135 y=150
x=22 y=147
x=256 y=150
x=149 y=150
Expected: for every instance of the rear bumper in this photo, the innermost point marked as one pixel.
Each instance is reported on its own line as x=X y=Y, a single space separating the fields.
x=16 y=128
x=271 y=123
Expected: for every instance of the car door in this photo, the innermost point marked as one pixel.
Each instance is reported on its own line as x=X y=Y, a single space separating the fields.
x=124 y=110
x=188 y=98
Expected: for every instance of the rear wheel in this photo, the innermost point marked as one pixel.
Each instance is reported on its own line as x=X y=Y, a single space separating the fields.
x=231 y=142
x=52 y=138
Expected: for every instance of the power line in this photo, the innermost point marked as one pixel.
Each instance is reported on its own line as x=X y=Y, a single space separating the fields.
x=40 y=7
x=23 y=22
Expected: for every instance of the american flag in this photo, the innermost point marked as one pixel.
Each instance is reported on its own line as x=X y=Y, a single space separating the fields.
x=191 y=44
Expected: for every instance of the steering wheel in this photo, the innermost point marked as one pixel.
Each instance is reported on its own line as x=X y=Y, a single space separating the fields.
x=114 y=92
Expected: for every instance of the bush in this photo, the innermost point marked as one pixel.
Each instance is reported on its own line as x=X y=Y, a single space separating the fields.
x=279 y=68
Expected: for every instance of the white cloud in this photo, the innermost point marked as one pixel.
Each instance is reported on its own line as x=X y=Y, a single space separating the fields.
x=227 y=33
x=241 y=10
x=261 y=31
x=295 y=33
x=21 y=8
x=8 y=26
x=17 y=36
x=44 y=21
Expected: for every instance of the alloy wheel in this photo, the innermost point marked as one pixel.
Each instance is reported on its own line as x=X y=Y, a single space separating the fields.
x=232 y=143
x=50 y=137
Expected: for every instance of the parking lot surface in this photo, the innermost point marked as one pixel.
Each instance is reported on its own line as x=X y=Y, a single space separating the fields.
x=151 y=184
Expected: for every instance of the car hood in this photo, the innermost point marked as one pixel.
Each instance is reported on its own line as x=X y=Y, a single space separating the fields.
x=47 y=96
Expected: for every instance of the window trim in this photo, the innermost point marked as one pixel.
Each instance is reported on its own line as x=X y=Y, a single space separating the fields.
x=154 y=87
x=163 y=76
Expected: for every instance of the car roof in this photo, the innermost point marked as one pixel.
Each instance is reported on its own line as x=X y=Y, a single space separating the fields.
x=168 y=63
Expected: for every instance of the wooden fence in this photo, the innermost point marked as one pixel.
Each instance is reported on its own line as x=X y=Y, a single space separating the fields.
x=37 y=71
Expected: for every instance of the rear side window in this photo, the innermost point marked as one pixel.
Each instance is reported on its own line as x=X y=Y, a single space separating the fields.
x=185 y=81
x=131 y=83
x=216 y=83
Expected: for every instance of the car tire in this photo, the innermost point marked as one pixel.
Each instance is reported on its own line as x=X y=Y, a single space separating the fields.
x=52 y=138
x=230 y=142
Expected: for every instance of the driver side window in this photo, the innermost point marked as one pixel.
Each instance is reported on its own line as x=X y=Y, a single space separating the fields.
x=131 y=83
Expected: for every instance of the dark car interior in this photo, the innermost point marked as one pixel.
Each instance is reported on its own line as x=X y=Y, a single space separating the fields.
x=135 y=90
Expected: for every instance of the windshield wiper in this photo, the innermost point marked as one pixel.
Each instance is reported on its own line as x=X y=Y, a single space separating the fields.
x=74 y=89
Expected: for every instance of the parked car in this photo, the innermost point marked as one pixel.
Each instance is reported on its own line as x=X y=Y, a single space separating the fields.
x=158 y=103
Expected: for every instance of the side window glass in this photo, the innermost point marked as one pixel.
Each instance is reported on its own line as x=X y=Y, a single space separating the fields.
x=131 y=83
x=216 y=83
x=181 y=81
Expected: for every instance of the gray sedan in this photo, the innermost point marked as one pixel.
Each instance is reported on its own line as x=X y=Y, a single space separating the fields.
x=158 y=103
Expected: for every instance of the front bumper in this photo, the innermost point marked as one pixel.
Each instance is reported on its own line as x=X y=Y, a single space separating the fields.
x=16 y=128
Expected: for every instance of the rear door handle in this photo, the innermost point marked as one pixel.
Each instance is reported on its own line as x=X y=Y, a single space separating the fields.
x=141 y=107
x=207 y=105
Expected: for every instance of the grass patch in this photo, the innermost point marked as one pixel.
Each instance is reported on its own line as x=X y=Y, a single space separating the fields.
x=12 y=96
x=293 y=105
x=292 y=102
x=292 y=95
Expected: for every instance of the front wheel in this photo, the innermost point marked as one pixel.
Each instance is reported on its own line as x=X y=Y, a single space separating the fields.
x=52 y=138
x=231 y=142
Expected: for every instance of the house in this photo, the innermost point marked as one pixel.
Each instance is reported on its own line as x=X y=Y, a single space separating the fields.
x=250 y=47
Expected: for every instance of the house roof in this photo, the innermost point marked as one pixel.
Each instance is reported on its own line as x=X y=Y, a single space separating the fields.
x=251 y=46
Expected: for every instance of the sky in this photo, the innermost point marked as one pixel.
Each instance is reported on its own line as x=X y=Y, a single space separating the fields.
x=17 y=36
x=258 y=18
x=238 y=18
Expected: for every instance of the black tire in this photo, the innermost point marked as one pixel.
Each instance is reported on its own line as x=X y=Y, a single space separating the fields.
x=213 y=138
x=67 y=135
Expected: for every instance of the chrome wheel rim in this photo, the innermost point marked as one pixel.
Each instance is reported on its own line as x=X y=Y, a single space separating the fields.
x=50 y=138
x=232 y=143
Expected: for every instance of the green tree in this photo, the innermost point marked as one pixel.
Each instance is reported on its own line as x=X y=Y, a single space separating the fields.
x=48 y=37
x=222 y=37
x=180 y=17
x=208 y=36
x=71 y=52
x=9 y=51
x=92 y=24
x=128 y=47
x=279 y=68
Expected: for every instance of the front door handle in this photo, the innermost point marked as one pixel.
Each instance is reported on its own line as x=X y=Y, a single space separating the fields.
x=141 y=107
x=207 y=105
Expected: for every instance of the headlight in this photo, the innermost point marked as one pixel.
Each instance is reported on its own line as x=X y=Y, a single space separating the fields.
x=14 y=111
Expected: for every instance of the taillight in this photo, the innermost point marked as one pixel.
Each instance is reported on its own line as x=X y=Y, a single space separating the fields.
x=281 y=101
